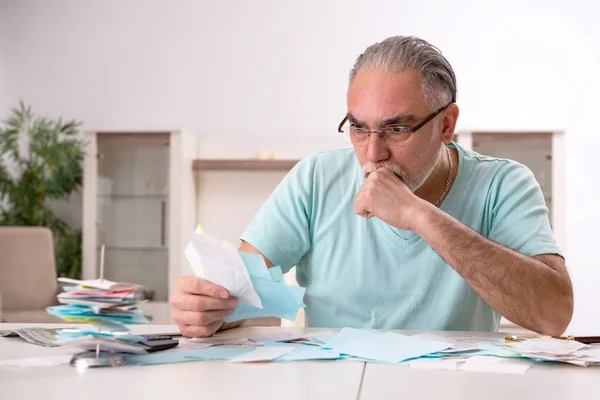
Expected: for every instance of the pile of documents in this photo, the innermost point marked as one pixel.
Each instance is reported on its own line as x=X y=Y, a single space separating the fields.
x=46 y=337
x=421 y=351
x=558 y=350
x=261 y=291
x=105 y=304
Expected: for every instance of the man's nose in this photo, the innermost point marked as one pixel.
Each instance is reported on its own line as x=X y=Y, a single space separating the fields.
x=377 y=149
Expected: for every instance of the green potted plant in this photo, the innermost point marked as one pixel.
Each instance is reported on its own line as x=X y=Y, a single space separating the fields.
x=41 y=159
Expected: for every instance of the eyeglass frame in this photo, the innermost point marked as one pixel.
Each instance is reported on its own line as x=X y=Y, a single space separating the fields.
x=414 y=129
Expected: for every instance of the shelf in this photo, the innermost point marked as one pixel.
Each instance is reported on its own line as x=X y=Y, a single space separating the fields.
x=243 y=165
x=135 y=248
x=132 y=196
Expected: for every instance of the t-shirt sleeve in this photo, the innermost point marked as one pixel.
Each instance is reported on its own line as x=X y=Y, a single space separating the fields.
x=280 y=229
x=519 y=213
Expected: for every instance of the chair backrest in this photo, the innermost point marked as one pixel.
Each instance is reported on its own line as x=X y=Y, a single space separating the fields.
x=27 y=268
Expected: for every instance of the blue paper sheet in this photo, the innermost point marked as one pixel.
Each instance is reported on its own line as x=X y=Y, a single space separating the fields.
x=385 y=347
x=304 y=352
x=489 y=349
x=348 y=334
x=255 y=264
x=278 y=299
x=179 y=356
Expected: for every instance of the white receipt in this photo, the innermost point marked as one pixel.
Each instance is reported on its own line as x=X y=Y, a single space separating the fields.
x=457 y=346
x=496 y=365
x=219 y=262
x=547 y=346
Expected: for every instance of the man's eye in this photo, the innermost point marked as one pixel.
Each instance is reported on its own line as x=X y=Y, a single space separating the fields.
x=399 y=129
x=357 y=128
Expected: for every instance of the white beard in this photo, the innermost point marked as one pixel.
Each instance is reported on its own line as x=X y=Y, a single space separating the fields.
x=423 y=168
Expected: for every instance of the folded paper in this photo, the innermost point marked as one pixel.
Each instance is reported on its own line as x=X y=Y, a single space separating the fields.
x=218 y=261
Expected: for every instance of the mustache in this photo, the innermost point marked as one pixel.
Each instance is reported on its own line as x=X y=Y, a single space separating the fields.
x=393 y=168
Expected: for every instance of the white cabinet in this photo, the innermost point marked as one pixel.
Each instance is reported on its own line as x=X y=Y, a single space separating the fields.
x=138 y=201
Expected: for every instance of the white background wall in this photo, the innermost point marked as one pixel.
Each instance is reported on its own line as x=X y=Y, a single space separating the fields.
x=279 y=68
x=6 y=89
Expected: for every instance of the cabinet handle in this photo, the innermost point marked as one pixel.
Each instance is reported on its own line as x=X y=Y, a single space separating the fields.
x=163 y=211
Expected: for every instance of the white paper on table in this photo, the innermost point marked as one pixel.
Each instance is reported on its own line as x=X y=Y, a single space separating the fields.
x=547 y=346
x=106 y=344
x=47 y=361
x=201 y=343
x=280 y=337
x=219 y=262
x=263 y=354
x=456 y=345
x=101 y=284
x=436 y=363
x=496 y=365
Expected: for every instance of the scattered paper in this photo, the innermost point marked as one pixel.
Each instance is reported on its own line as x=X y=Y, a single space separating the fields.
x=180 y=356
x=280 y=337
x=305 y=353
x=497 y=351
x=48 y=361
x=218 y=261
x=106 y=344
x=346 y=335
x=323 y=337
x=102 y=284
x=455 y=345
x=214 y=341
x=263 y=354
x=547 y=346
x=586 y=357
x=385 y=347
x=46 y=337
x=496 y=365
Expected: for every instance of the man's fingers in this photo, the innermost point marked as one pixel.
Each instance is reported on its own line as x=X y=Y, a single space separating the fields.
x=361 y=204
x=199 y=331
x=200 y=318
x=191 y=302
x=194 y=285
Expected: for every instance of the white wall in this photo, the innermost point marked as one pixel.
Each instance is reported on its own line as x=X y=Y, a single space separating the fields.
x=583 y=181
x=6 y=59
x=276 y=67
x=279 y=68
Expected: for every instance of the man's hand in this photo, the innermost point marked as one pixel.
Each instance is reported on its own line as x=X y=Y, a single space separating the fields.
x=385 y=196
x=200 y=306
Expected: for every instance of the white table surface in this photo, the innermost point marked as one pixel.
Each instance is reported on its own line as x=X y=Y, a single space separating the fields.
x=298 y=380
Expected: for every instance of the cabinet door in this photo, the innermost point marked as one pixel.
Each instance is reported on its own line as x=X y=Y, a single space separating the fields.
x=132 y=203
x=531 y=149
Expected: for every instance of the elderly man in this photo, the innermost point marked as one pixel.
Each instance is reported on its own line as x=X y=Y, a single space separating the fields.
x=405 y=229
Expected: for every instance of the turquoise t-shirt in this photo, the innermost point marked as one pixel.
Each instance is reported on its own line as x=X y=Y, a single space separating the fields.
x=365 y=273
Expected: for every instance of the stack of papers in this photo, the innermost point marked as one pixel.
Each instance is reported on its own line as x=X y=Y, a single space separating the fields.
x=109 y=305
x=46 y=337
x=558 y=350
x=261 y=291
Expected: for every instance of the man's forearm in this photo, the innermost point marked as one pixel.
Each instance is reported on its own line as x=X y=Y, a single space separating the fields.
x=522 y=289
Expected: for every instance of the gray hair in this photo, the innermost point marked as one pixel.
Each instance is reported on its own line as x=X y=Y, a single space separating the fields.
x=399 y=53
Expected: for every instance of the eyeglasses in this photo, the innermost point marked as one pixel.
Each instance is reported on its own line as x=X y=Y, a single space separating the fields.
x=391 y=134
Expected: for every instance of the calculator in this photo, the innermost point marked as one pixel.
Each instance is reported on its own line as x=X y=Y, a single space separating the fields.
x=157 y=343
